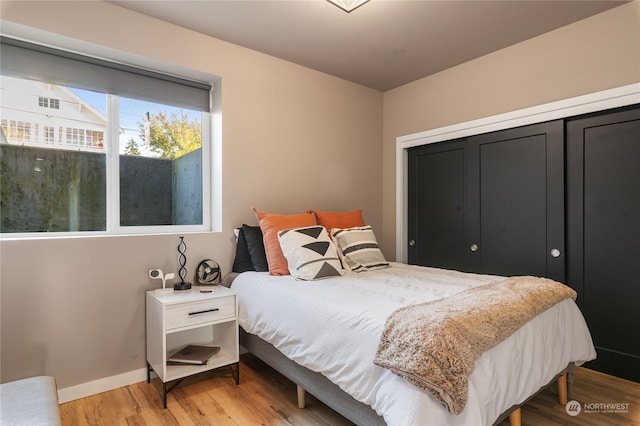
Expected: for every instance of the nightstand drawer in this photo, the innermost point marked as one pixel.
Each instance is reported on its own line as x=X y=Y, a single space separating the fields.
x=185 y=314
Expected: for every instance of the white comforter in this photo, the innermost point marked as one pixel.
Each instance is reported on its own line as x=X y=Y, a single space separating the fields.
x=333 y=326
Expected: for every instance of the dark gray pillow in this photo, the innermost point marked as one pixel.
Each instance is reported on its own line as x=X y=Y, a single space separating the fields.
x=242 y=261
x=255 y=245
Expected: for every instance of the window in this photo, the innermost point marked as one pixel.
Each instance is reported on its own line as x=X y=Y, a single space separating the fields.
x=49 y=135
x=91 y=139
x=129 y=157
x=16 y=131
x=75 y=137
x=48 y=102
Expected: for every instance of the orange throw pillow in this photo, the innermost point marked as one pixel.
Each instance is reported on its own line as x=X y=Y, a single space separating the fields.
x=270 y=225
x=341 y=220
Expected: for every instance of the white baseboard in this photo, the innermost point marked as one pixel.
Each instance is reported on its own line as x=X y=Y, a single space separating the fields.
x=108 y=383
x=102 y=385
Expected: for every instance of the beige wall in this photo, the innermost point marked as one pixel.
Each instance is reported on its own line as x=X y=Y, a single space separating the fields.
x=293 y=139
x=74 y=308
x=595 y=54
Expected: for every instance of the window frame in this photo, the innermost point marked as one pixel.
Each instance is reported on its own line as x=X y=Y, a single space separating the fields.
x=45 y=102
x=113 y=182
x=18 y=127
x=211 y=142
x=49 y=135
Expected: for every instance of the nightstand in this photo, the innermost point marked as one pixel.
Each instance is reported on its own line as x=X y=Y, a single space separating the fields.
x=205 y=316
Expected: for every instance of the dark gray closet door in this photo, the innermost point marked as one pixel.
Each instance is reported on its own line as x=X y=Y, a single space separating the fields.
x=603 y=188
x=517 y=201
x=436 y=185
x=493 y=203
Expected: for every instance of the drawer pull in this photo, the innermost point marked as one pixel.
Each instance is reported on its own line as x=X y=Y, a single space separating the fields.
x=204 y=312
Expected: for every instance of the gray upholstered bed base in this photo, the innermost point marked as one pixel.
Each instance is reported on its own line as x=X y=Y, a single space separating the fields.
x=314 y=383
x=330 y=394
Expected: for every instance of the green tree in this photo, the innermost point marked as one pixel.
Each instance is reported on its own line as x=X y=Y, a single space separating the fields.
x=132 y=148
x=172 y=135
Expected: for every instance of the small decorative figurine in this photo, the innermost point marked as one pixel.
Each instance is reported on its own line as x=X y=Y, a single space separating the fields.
x=182 y=272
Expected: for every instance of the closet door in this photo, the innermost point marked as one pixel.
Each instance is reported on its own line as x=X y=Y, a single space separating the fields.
x=516 y=201
x=603 y=187
x=436 y=184
x=492 y=203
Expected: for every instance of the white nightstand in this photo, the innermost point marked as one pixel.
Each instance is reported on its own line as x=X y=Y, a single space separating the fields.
x=202 y=316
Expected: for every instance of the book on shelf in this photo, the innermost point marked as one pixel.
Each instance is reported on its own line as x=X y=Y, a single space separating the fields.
x=193 y=354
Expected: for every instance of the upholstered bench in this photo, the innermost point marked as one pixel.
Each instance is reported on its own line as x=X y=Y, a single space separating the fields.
x=29 y=402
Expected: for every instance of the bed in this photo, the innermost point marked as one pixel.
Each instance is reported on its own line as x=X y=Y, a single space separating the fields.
x=389 y=343
x=324 y=335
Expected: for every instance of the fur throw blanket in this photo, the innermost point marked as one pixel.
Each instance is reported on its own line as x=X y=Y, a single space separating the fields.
x=434 y=345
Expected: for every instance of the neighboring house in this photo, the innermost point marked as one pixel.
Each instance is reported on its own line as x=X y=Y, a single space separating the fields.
x=49 y=116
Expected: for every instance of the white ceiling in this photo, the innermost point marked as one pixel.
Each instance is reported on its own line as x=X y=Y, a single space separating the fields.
x=384 y=43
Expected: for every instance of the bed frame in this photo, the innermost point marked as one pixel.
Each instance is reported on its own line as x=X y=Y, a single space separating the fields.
x=357 y=412
x=315 y=383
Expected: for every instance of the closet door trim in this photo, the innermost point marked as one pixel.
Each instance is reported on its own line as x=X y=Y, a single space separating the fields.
x=598 y=101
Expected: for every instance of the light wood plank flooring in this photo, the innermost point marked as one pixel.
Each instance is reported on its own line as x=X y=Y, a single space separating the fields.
x=265 y=397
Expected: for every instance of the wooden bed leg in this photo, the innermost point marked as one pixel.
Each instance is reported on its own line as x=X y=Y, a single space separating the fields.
x=301 y=392
x=562 y=389
x=515 y=418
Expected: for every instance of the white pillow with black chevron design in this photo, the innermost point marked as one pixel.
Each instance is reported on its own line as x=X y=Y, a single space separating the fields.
x=310 y=253
x=358 y=248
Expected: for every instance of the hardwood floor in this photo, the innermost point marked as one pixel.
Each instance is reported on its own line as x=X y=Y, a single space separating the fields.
x=265 y=397
x=589 y=387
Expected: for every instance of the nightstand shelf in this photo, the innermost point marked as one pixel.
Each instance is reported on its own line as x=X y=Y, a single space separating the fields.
x=185 y=317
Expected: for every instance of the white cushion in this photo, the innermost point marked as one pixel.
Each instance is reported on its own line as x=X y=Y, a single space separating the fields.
x=310 y=253
x=29 y=402
x=358 y=248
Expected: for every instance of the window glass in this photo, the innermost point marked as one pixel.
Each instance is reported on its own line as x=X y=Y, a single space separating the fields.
x=51 y=181
x=95 y=145
x=160 y=164
x=53 y=174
